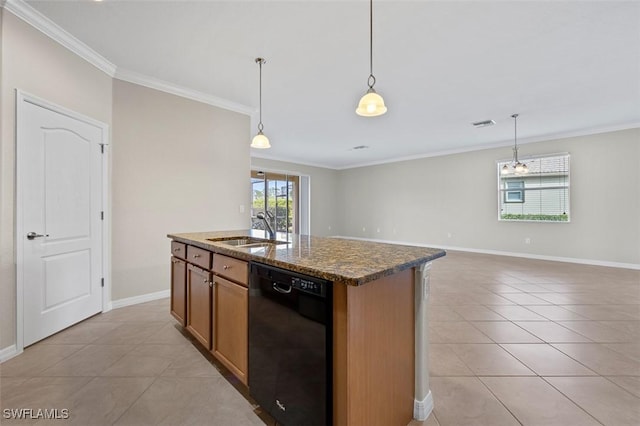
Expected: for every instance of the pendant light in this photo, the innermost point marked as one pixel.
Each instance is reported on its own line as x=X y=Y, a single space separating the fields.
x=260 y=141
x=518 y=167
x=371 y=104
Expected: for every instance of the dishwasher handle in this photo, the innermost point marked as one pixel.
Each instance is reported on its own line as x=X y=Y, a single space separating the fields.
x=276 y=287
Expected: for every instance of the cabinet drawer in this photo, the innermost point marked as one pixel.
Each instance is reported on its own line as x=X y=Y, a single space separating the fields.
x=179 y=250
x=199 y=257
x=234 y=269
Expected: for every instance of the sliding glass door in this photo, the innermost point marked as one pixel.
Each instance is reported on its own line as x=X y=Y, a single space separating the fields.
x=275 y=195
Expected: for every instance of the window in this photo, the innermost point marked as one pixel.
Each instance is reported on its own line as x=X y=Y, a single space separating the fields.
x=541 y=194
x=511 y=196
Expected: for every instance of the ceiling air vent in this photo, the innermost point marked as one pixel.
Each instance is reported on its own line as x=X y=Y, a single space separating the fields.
x=484 y=123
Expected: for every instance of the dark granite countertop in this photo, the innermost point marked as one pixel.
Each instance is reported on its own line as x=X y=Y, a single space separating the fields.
x=352 y=262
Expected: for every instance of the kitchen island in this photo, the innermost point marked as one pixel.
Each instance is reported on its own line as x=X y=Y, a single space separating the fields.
x=380 y=294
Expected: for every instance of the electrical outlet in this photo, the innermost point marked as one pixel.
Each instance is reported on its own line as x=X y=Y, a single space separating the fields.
x=241 y=208
x=378 y=230
x=449 y=234
x=364 y=229
x=527 y=240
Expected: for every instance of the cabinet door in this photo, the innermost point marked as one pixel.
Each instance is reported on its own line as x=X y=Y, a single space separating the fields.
x=231 y=326
x=199 y=304
x=179 y=289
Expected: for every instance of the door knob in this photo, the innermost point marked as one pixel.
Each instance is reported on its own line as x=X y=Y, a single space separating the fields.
x=33 y=235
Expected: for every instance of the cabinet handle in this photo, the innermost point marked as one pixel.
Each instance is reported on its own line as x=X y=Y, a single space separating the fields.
x=205 y=281
x=211 y=284
x=176 y=249
x=225 y=267
x=195 y=256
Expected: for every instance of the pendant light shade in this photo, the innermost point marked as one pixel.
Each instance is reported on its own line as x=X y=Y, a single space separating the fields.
x=371 y=104
x=260 y=141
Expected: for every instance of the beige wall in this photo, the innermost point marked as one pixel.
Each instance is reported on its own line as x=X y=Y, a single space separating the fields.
x=325 y=212
x=179 y=166
x=34 y=63
x=422 y=201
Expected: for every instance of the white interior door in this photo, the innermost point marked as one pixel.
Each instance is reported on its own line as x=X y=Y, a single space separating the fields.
x=60 y=188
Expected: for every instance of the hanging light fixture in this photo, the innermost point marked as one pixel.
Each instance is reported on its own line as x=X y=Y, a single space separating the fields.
x=371 y=104
x=518 y=167
x=260 y=140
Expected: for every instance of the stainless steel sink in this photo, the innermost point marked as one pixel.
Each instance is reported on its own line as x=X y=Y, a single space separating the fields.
x=242 y=241
x=263 y=244
x=247 y=242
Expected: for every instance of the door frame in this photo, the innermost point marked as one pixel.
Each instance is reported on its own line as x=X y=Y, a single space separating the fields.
x=22 y=98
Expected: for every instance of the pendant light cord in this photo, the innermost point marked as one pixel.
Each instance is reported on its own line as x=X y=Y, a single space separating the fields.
x=260 y=61
x=515 y=135
x=372 y=80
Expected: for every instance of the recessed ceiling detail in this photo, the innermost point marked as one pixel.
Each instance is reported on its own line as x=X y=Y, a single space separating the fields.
x=484 y=123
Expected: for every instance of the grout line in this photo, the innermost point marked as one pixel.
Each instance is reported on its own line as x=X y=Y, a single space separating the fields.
x=498 y=399
x=137 y=399
x=574 y=402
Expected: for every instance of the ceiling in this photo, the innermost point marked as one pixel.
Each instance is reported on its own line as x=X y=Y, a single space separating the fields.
x=567 y=67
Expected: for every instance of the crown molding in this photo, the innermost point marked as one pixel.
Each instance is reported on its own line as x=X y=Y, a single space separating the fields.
x=163 y=86
x=542 y=138
x=40 y=22
x=255 y=154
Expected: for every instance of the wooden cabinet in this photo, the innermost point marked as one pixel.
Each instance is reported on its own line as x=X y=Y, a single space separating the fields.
x=179 y=290
x=230 y=319
x=199 y=303
x=209 y=296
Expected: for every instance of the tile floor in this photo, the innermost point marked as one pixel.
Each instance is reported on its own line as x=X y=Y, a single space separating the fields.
x=514 y=341
x=520 y=341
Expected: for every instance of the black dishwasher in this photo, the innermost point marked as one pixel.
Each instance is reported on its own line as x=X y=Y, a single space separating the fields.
x=290 y=345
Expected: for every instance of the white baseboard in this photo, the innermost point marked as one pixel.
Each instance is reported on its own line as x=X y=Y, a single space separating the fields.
x=128 y=301
x=422 y=409
x=8 y=353
x=594 y=262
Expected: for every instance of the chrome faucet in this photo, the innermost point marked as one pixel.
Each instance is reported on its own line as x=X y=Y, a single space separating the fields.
x=267 y=225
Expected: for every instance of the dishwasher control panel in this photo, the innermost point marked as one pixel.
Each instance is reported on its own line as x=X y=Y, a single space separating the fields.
x=308 y=286
x=289 y=279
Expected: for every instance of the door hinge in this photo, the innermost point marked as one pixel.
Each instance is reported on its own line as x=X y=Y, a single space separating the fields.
x=102 y=148
x=102 y=282
x=102 y=215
